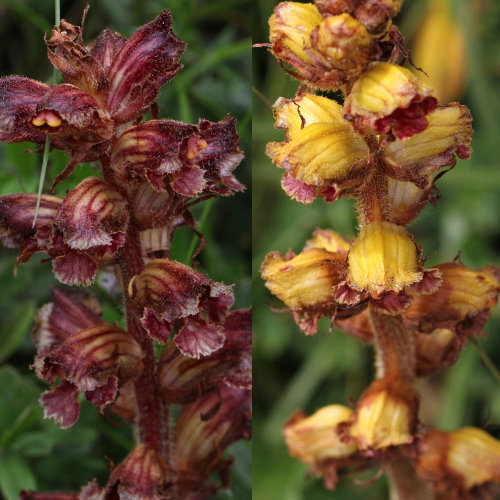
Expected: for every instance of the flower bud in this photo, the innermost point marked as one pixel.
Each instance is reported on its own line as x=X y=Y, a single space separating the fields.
x=343 y=44
x=147 y=60
x=389 y=99
x=326 y=52
x=436 y=350
x=383 y=258
x=314 y=439
x=106 y=47
x=376 y=14
x=458 y=461
x=386 y=414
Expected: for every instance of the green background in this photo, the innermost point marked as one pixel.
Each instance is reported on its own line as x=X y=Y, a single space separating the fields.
x=35 y=453
x=294 y=371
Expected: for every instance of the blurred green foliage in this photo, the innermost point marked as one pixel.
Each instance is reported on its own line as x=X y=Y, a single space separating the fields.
x=35 y=453
x=293 y=371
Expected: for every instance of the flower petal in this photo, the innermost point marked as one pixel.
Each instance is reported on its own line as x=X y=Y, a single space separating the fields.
x=448 y=133
x=184 y=379
x=148 y=60
x=92 y=215
x=383 y=258
x=19 y=97
x=69 y=312
x=199 y=338
x=106 y=47
x=77 y=66
x=75 y=268
x=170 y=290
x=389 y=98
x=88 y=358
x=61 y=404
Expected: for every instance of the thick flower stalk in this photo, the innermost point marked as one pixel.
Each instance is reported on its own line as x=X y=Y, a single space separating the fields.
x=384 y=147
x=149 y=175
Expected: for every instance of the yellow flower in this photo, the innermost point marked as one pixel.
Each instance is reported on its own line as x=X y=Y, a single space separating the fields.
x=290 y=29
x=323 y=155
x=462 y=302
x=322 y=148
x=383 y=258
x=415 y=158
x=460 y=460
x=389 y=98
x=385 y=415
x=329 y=240
x=326 y=52
x=314 y=439
x=306 y=280
x=446 y=67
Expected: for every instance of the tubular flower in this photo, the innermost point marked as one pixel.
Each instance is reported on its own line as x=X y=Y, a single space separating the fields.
x=142 y=475
x=202 y=432
x=463 y=302
x=167 y=291
x=307 y=282
x=183 y=379
x=323 y=155
x=79 y=232
x=456 y=462
x=321 y=150
x=88 y=355
x=389 y=99
x=93 y=215
x=81 y=115
x=386 y=415
x=314 y=439
x=191 y=159
x=383 y=258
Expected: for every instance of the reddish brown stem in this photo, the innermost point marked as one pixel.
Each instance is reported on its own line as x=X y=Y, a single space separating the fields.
x=394 y=347
x=150 y=421
x=373 y=197
x=404 y=483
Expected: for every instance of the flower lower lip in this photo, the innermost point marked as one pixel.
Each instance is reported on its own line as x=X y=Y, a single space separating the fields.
x=49 y=118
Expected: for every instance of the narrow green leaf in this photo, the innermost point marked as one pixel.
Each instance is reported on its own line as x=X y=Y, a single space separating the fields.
x=15 y=475
x=12 y=332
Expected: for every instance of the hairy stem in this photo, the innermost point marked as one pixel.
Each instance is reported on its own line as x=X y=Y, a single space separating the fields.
x=151 y=426
x=394 y=347
x=404 y=484
x=372 y=202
